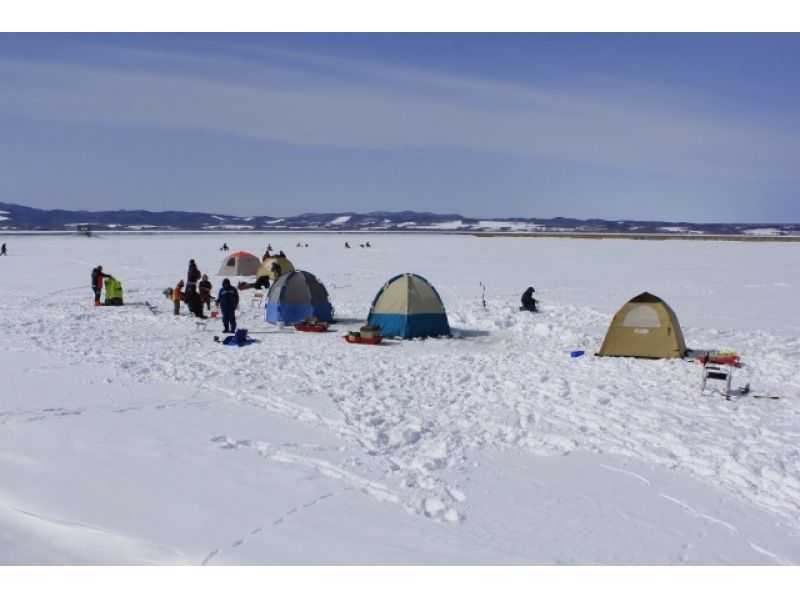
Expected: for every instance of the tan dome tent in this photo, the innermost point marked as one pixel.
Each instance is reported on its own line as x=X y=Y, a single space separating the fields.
x=644 y=327
x=240 y=263
x=266 y=266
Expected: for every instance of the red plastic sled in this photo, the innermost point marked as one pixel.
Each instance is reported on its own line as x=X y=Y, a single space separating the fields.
x=720 y=359
x=305 y=327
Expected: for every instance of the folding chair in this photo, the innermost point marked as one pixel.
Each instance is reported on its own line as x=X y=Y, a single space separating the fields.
x=716 y=372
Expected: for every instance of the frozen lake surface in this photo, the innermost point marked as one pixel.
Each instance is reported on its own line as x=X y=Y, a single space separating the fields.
x=128 y=437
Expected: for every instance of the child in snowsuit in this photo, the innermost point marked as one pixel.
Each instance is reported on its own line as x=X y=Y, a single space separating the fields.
x=177 y=297
x=228 y=301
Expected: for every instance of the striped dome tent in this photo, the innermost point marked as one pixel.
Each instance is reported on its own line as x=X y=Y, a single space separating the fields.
x=409 y=307
x=296 y=296
x=240 y=263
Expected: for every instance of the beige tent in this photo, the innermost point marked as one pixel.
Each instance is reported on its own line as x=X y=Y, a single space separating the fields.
x=240 y=263
x=644 y=327
x=266 y=266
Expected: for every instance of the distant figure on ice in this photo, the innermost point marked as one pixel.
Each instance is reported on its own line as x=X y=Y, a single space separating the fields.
x=97 y=283
x=281 y=254
x=528 y=302
x=204 y=288
x=224 y=247
x=368 y=245
x=192 y=276
x=3 y=250
x=266 y=255
x=177 y=297
x=228 y=301
x=346 y=245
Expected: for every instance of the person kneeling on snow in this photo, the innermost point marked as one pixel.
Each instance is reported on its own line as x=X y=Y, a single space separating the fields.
x=228 y=301
x=528 y=302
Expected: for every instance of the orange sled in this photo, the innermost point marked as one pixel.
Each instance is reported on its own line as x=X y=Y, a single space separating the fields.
x=360 y=340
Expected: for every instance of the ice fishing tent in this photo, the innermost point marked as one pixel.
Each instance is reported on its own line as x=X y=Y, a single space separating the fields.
x=408 y=306
x=266 y=266
x=296 y=296
x=644 y=327
x=240 y=263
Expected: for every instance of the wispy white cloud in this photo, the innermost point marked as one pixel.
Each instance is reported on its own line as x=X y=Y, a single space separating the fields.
x=306 y=99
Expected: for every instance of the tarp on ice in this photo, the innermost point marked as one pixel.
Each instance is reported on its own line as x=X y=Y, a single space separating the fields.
x=240 y=263
x=644 y=327
x=296 y=296
x=409 y=307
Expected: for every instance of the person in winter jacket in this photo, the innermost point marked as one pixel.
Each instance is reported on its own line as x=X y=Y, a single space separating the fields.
x=97 y=283
x=177 y=297
x=194 y=302
x=204 y=287
x=228 y=301
x=528 y=302
x=193 y=275
x=3 y=250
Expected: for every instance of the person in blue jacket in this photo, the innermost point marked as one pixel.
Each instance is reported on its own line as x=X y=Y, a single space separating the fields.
x=228 y=301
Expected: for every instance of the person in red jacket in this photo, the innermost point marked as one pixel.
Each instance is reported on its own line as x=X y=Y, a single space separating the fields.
x=204 y=286
x=97 y=283
x=193 y=275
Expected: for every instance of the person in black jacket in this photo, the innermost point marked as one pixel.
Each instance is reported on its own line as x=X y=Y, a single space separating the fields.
x=228 y=301
x=528 y=302
x=194 y=302
x=97 y=283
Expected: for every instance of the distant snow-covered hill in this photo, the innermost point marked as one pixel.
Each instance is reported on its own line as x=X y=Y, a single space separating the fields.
x=15 y=217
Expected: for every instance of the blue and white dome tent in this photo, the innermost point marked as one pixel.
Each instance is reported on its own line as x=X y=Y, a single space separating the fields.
x=409 y=307
x=296 y=296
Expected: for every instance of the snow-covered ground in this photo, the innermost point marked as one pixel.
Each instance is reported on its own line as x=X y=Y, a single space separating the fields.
x=129 y=437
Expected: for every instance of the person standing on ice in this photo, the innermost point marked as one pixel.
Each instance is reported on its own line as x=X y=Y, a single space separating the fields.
x=192 y=276
x=204 y=286
x=228 y=301
x=3 y=250
x=177 y=297
x=97 y=283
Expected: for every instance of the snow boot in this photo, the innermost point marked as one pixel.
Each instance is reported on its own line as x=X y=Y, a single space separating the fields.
x=97 y=303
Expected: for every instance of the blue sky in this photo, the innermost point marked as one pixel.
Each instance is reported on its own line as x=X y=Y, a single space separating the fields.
x=678 y=127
